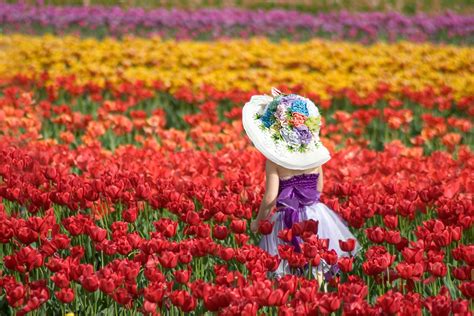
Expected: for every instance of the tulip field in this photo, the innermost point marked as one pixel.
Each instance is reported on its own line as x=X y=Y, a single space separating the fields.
x=127 y=182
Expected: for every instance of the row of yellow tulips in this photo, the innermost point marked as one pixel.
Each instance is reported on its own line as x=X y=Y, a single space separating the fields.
x=245 y=65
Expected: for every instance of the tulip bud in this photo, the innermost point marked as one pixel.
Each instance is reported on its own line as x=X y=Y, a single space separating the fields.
x=348 y=245
x=220 y=232
x=238 y=226
x=265 y=227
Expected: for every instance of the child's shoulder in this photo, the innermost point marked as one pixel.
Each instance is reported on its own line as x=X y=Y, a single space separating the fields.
x=271 y=163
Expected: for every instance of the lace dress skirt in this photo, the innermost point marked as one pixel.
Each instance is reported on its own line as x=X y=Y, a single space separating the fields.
x=331 y=226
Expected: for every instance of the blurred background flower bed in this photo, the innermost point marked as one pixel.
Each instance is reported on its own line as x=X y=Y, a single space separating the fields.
x=212 y=23
x=404 y=6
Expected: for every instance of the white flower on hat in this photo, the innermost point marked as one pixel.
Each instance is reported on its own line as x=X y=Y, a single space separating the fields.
x=281 y=114
x=290 y=136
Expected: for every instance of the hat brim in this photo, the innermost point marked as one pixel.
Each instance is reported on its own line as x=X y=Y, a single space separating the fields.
x=277 y=151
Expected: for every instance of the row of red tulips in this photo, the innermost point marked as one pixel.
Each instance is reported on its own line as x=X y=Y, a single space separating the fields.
x=431 y=98
x=132 y=114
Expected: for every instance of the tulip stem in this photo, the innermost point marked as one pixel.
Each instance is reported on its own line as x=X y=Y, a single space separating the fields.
x=388 y=278
x=368 y=290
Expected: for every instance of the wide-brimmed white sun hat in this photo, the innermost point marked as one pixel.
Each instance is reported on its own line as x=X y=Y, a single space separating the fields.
x=285 y=129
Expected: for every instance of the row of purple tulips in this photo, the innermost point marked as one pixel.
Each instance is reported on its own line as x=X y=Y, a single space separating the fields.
x=218 y=23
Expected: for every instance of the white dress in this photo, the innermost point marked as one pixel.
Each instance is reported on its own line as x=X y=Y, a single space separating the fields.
x=299 y=197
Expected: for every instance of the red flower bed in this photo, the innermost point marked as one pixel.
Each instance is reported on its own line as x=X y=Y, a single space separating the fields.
x=104 y=207
x=154 y=230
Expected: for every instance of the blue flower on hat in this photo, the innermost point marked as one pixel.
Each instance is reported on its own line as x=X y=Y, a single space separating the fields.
x=299 y=106
x=267 y=119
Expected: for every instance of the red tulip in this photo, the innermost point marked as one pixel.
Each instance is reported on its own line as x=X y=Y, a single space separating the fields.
x=183 y=300
x=438 y=269
x=412 y=255
x=277 y=298
x=455 y=232
x=345 y=263
x=249 y=309
x=130 y=215
x=238 y=226
x=226 y=253
x=442 y=238
x=192 y=218
x=468 y=254
x=15 y=292
x=265 y=227
x=149 y=307
x=438 y=305
x=377 y=262
x=410 y=271
x=402 y=244
x=330 y=256
x=467 y=289
x=285 y=235
x=310 y=250
x=297 y=229
x=393 y=237
x=390 y=302
x=155 y=292
x=220 y=232
x=65 y=295
x=60 y=279
x=462 y=273
x=241 y=239
x=27 y=235
x=310 y=226
x=460 y=307
x=272 y=263
x=348 y=245
x=123 y=246
x=90 y=283
x=316 y=261
x=323 y=243
x=203 y=231
x=51 y=173
x=6 y=231
x=168 y=259
x=285 y=251
x=143 y=191
x=376 y=234
x=182 y=276
x=166 y=226
x=107 y=285
x=122 y=296
x=296 y=260
x=215 y=300
x=97 y=234
x=185 y=257
x=329 y=304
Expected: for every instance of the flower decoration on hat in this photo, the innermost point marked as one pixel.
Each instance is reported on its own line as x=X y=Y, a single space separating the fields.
x=288 y=120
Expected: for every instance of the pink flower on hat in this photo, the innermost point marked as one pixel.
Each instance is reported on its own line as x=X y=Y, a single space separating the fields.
x=298 y=119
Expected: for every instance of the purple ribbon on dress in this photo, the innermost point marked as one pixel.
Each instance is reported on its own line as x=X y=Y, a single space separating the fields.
x=294 y=197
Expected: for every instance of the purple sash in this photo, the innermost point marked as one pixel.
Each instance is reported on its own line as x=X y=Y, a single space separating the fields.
x=294 y=196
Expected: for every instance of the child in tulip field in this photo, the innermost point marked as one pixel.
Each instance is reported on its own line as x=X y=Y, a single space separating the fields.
x=285 y=129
